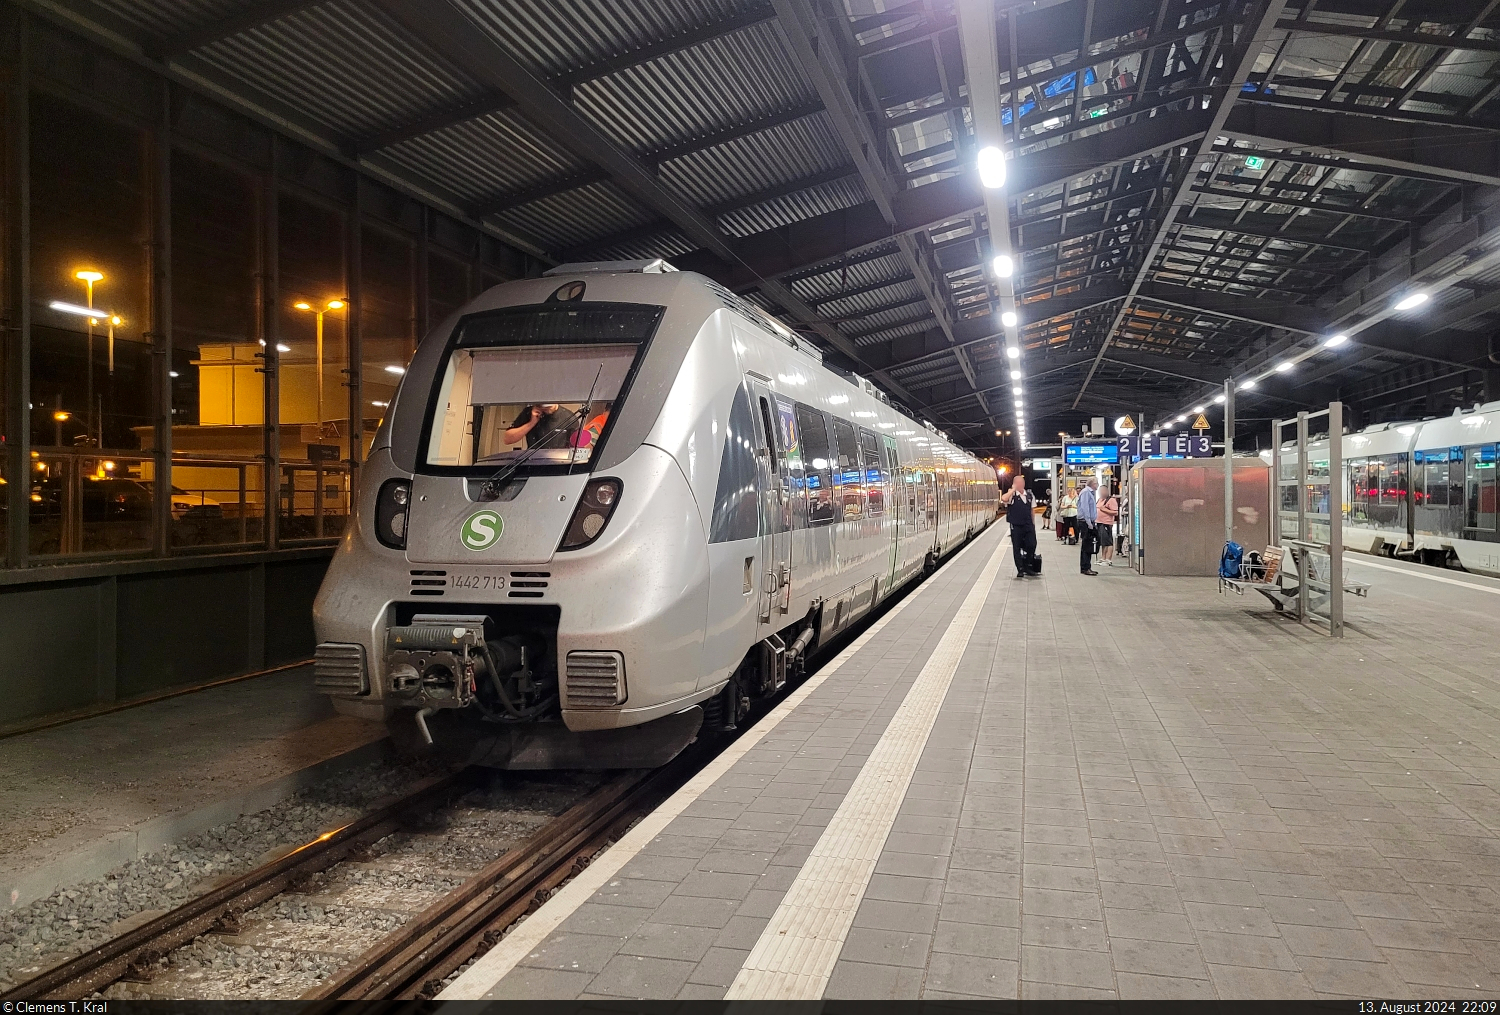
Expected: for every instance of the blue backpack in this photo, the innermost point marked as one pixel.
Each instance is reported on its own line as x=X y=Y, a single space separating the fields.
x=1233 y=557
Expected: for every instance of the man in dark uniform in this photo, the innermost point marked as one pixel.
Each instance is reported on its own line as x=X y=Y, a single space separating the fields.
x=1018 y=502
x=546 y=426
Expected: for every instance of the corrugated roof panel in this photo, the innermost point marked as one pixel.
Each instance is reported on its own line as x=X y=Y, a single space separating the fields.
x=837 y=278
x=578 y=216
x=162 y=18
x=484 y=158
x=868 y=302
x=667 y=244
x=728 y=80
x=929 y=372
x=345 y=64
x=565 y=35
x=798 y=207
x=882 y=327
x=755 y=162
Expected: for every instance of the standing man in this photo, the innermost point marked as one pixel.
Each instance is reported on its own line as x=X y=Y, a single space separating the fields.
x=1088 y=521
x=1018 y=502
x=542 y=426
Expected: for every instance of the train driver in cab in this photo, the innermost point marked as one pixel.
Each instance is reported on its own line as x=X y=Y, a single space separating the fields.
x=549 y=422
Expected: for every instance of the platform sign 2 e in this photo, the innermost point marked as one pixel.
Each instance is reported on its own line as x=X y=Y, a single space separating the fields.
x=1167 y=445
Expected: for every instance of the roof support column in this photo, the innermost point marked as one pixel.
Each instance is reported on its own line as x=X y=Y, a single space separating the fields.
x=17 y=336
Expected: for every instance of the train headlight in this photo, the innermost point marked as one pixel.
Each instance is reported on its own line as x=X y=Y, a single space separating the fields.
x=591 y=515
x=391 y=512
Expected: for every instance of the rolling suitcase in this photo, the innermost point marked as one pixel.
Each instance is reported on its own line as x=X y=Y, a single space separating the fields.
x=1034 y=564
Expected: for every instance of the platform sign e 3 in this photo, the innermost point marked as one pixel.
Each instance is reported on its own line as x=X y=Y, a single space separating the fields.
x=1167 y=445
x=481 y=530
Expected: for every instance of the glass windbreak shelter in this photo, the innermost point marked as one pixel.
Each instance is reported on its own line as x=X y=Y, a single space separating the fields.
x=1311 y=509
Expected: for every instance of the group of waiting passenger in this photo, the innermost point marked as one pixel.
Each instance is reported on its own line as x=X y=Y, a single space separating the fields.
x=1086 y=517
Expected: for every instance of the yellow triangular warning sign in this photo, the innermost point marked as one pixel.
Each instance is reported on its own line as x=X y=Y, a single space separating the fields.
x=1127 y=424
x=1201 y=423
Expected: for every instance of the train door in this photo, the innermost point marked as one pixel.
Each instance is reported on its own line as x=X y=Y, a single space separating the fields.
x=895 y=499
x=940 y=509
x=776 y=508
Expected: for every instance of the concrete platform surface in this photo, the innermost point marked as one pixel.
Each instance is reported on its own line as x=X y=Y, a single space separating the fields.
x=1129 y=787
x=80 y=799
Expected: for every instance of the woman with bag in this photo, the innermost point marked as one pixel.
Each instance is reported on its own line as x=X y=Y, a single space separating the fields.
x=1067 y=516
x=1109 y=510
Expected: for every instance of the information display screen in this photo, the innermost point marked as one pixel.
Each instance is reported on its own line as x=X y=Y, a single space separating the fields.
x=1092 y=454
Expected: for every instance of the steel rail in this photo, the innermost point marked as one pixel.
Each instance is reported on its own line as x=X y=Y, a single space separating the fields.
x=412 y=962
x=142 y=947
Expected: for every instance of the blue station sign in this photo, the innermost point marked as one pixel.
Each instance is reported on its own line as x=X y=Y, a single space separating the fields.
x=1091 y=454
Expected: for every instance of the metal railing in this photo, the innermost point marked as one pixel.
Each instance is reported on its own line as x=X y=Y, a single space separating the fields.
x=88 y=504
x=313 y=502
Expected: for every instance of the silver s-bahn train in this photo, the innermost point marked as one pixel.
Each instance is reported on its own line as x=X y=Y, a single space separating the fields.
x=1423 y=489
x=616 y=503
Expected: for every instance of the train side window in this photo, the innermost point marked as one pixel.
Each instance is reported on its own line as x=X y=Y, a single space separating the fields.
x=851 y=487
x=736 y=512
x=893 y=478
x=817 y=462
x=1479 y=470
x=869 y=447
x=778 y=503
x=791 y=450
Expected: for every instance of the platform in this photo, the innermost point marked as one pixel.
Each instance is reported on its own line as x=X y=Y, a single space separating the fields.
x=82 y=798
x=1074 y=787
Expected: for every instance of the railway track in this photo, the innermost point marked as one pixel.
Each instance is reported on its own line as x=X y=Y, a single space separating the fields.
x=412 y=961
x=415 y=960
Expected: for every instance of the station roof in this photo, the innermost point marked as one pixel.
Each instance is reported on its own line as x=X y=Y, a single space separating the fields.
x=1196 y=190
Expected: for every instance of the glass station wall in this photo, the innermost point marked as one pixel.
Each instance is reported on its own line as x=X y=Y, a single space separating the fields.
x=140 y=190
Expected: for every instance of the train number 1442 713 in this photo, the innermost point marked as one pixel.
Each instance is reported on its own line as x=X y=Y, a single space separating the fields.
x=477 y=582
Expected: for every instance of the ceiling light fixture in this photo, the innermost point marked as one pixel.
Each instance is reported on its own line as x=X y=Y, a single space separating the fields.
x=1414 y=300
x=1334 y=341
x=1008 y=318
x=1004 y=266
x=991 y=167
x=1013 y=351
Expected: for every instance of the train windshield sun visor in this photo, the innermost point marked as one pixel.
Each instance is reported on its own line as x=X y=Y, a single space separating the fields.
x=536 y=386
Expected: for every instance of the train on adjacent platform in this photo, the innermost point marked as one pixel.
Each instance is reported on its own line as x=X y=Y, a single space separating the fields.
x=615 y=504
x=1424 y=490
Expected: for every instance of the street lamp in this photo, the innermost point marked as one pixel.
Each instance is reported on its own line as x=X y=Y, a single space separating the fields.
x=88 y=276
x=307 y=307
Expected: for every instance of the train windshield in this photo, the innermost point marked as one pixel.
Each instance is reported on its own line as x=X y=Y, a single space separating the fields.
x=536 y=386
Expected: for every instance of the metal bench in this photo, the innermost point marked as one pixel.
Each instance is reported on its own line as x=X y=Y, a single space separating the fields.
x=1303 y=590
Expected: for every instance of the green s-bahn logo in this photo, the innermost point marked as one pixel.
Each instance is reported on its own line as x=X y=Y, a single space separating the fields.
x=481 y=530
